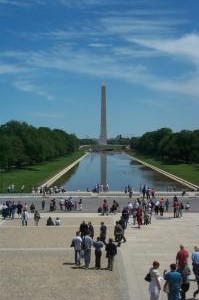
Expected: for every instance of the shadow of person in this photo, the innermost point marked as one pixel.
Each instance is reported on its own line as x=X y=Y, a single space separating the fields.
x=68 y=263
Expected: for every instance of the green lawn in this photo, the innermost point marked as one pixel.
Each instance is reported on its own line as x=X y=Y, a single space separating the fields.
x=188 y=172
x=35 y=175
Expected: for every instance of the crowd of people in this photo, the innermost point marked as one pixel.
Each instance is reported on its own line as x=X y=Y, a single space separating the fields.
x=176 y=280
x=137 y=212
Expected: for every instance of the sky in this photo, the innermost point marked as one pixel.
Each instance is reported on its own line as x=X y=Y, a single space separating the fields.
x=56 y=54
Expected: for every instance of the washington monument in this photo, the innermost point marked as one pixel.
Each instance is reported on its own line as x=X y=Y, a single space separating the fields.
x=103 y=132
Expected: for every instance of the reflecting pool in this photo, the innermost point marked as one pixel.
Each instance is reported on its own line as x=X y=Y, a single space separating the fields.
x=116 y=169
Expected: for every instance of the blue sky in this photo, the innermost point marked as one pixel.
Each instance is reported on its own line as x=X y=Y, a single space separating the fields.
x=55 y=54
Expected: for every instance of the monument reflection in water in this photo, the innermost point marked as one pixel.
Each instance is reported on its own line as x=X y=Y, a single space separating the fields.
x=116 y=169
x=103 y=170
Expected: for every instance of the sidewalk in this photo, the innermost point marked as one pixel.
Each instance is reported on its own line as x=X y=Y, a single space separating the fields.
x=37 y=262
x=159 y=241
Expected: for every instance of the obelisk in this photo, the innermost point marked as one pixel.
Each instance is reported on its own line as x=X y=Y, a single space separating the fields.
x=103 y=133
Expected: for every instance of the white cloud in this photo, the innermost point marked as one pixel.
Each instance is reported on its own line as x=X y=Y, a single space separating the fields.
x=187 y=47
x=25 y=86
x=6 y=69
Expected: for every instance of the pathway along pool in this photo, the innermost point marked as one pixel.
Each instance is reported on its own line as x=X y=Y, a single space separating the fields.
x=116 y=169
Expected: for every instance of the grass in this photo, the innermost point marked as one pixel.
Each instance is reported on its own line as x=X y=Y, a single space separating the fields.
x=33 y=176
x=189 y=172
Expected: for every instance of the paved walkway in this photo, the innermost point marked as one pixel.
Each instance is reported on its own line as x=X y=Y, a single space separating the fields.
x=37 y=262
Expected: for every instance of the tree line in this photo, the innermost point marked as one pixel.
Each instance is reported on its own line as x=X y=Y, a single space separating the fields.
x=23 y=144
x=175 y=147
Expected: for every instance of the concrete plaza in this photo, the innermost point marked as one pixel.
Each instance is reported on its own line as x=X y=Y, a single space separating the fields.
x=38 y=262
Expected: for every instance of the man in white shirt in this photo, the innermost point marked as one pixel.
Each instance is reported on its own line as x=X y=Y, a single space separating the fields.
x=77 y=244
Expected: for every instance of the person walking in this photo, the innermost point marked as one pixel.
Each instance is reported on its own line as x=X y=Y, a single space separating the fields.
x=111 y=251
x=98 y=245
x=77 y=244
x=154 y=284
x=119 y=233
x=139 y=216
x=173 y=280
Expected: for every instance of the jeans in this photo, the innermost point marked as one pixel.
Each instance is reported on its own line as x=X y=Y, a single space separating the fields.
x=78 y=257
x=87 y=257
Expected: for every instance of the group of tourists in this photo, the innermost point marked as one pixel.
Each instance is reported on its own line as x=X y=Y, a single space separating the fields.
x=140 y=211
x=64 y=204
x=177 y=280
x=84 y=241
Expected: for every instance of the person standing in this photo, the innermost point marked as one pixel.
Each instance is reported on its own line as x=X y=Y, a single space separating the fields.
x=19 y=209
x=161 y=207
x=103 y=231
x=83 y=229
x=111 y=251
x=80 y=204
x=154 y=284
x=13 y=208
x=182 y=257
x=167 y=205
x=195 y=264
x=87 y=243
x=105 y=207
x=24 y=218
x=36 y=217
x=77 y=244
x=173 y=280
x=90 y=230
x=98 y=245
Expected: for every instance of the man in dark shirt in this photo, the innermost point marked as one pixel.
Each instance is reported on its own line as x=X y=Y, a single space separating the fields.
x=83 y=229
x=111 y=251
x=103 y=230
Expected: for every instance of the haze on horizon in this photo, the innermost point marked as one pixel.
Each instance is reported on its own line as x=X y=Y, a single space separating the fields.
x=55 y=55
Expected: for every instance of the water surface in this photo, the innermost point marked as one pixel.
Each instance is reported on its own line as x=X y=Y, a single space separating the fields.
x=118 y=170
